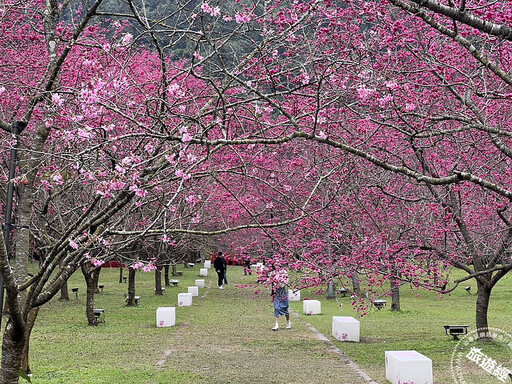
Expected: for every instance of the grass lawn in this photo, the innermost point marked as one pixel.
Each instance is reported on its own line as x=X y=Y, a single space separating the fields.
x=419 y=326
x=225 y=336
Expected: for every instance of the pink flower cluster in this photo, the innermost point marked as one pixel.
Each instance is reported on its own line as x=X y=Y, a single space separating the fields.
x=210 y=10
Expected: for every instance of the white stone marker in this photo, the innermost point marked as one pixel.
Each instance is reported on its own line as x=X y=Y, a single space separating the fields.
x=166 y=317
x=203 y=272
x=345 y=328
x=194 y=290
x=208 y=264
x=184 y=299
x=312 y=307
x=293 y=295
x=408 y=367
x=200 y=283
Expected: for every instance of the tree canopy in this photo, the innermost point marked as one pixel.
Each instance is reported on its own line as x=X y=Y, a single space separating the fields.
x=339 y=138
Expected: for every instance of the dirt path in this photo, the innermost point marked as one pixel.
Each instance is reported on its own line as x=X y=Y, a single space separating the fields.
x=227 y=338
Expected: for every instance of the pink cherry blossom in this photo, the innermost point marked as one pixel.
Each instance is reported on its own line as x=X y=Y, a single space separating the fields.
x=322 y=135
x=72 y=244
x=98 y=263
x=364 y=93
x=56 y=99
x=242 y=18
x=186 y=137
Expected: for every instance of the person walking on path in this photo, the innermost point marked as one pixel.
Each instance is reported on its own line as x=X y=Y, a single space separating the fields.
x=219 y=264
x=279 y=280
x=225 y=269
x=246 y=262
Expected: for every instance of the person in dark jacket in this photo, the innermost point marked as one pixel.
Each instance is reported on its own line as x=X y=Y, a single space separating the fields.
x=246 y=262
x=219 y=264
x=225 y=270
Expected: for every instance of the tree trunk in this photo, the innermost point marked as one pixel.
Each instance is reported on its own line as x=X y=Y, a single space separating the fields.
x=174 y=269
x=64 y=292
x=331 y=294
x=96 y=279
x=355 y=284
x=158 y=281
x=121 y=273
x=32 y=316
x=89 y=303
x=166 y=274
x=131 y=288
x=395 y=295
x=482 y=307
x=91 y=289
x=12 y=352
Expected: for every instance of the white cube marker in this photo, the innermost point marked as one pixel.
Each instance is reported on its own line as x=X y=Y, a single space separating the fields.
x=312 y=307
x=345 y=328
x=208 y=264
x=203 y=272
x=200 y=283
x=166 y=317
x=184 y=299
x=408 y=367
x=194 y=290
x=293 y=295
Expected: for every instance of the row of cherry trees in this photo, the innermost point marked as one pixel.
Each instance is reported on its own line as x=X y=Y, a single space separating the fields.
x=422 y=93
x=340 y=138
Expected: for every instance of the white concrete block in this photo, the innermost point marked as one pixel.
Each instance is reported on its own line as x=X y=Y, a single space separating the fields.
x=208 y=264
x=166 y=317
x=408 y=367
x=200 y=283
x=345 y=328
x=312 y=307
x=184 y=299
x=194 y=290
x=293 y=295
x=203 y=272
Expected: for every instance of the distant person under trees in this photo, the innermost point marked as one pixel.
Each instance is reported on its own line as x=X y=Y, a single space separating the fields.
x=279 y=280
x=225 y=270
x=220 y=267
x=246 y=260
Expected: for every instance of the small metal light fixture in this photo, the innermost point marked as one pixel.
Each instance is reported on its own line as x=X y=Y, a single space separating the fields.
x=468 y=289
x=379 y=304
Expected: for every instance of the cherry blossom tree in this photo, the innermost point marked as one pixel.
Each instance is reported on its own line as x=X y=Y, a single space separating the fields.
x=82 y=157
x=358 y=137
x=430 y=107
x=417 y=89
x=107 y=132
